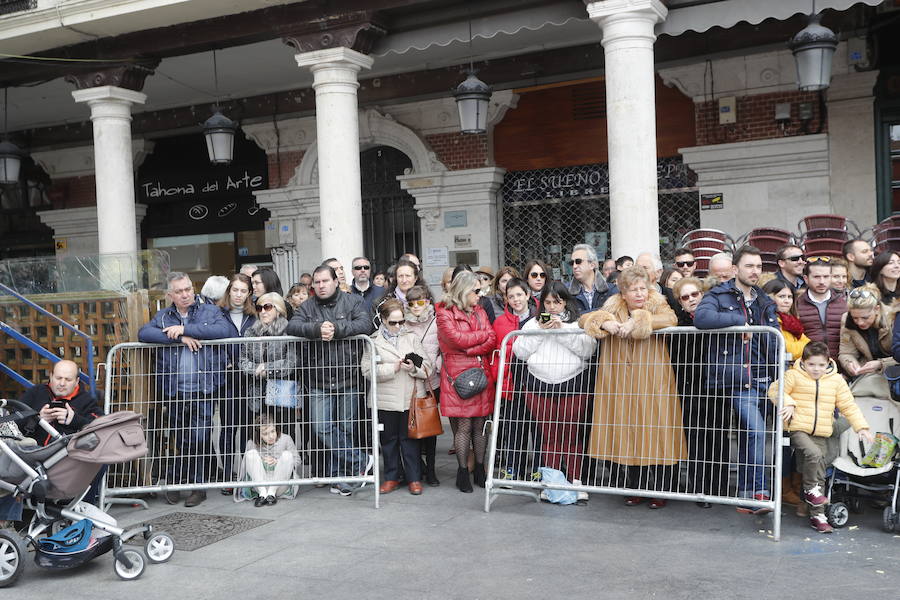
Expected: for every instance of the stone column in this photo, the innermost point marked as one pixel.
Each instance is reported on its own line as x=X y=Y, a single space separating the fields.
x=337 y=130
x=628 y=37
x=114 y=169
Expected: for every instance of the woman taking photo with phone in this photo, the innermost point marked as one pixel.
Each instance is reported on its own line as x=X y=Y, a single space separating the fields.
x=400 y=370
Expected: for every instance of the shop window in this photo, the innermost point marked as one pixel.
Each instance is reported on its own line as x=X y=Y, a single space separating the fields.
x=199 y=255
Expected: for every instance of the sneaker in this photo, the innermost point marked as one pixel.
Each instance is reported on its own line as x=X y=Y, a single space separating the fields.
x=536 y=476
x=335 y=489
x=507 y=474
x=633 y=500
x=753 y=510
x=581 y=496
x=820 y=524
x=814 y=497
x=343 y=489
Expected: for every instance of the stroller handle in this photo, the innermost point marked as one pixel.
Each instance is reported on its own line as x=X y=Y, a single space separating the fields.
x=22 y=411
x=14 y=403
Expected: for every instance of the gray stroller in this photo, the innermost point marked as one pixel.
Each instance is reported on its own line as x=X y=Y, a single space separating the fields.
x=52 y=481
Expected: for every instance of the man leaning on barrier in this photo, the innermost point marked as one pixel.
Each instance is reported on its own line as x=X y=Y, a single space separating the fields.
x=332 y=370
x=189 y=375
x=741 y=366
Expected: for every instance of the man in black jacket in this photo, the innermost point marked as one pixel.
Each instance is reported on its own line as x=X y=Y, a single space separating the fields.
x=63 y=402
x=332 y=374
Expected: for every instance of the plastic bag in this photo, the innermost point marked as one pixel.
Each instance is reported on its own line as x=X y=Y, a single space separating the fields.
x=554 y=476
x=881 y=452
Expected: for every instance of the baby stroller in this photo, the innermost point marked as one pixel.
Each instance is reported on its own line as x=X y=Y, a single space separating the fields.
x=851 y=482
x=52 y=481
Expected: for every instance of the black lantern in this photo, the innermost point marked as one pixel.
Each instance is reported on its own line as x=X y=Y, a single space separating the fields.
x=10 y=162
x=472 y=99
x=219 y=133
x=813 y=49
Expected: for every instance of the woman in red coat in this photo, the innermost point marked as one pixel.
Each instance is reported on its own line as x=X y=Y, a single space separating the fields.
x=467 y=340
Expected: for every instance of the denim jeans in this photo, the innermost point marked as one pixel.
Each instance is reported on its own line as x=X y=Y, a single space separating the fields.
x=751 y=407
x=190 y=422
x=334 y=415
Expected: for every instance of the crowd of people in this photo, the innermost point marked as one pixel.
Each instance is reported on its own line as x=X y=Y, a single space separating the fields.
x=587 y=389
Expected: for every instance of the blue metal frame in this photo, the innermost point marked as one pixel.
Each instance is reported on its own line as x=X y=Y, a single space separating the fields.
x=34 y=346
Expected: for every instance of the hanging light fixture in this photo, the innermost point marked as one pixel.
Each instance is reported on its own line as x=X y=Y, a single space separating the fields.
x=10 y=155
x=472 y=99
x=219 y=129
x=813 y=49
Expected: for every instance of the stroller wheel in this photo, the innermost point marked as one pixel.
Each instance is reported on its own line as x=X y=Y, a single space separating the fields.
x=838 y=514
x=159 y=547
x=137 y=565
x=888 y=519
x=11 y=553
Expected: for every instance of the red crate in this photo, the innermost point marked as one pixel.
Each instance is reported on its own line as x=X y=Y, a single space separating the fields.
x=767 y=244
x=830 y=247
x=830 y=234
x=824 y=222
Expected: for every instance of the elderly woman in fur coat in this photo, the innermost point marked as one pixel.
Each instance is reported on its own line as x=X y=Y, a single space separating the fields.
x=637 y=425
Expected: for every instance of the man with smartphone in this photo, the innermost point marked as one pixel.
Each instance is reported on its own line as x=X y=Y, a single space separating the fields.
x=63 y=402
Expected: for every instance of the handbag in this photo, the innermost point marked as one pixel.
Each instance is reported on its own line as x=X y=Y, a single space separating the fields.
x=470 y=382
x=424 y=416
x=281 y=393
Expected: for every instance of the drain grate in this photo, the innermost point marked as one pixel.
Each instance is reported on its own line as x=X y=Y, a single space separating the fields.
x=196 y=530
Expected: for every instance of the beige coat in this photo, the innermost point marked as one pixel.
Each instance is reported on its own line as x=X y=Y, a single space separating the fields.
x=637 y=415
x=854 y=347
x=395 y=388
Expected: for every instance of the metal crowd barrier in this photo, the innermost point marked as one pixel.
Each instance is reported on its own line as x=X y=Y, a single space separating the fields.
x=659 y=418
x=201 y=408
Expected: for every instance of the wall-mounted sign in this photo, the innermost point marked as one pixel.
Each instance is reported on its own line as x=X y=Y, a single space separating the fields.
x=177 y=186
x=462 y=241
x=712 y=201
x=456 y=218
x=437 y=257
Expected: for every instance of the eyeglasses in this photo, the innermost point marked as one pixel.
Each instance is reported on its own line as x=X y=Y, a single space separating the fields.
x=686 y=297
x=794 y=258
x=685 y=263
x=857 y=293
x=814 y=259
x=396 y=323
x=536 y=275
x=577 y=261
x=362 y=267
x=417 y=303
x=262 y=307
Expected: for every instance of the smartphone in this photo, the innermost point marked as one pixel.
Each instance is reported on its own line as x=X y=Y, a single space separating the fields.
x=544 y=317
x=57 y=404
x=414 y=359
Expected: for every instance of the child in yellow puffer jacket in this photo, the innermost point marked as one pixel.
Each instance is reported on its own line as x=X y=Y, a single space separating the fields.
x=812 y=389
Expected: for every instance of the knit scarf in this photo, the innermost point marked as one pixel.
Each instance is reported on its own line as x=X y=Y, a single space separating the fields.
x=791 y=324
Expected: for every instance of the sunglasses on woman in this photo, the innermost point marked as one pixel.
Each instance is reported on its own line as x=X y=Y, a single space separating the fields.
x=857 y=293
x=396 y=323
x=536 y=275
x=417 y=303
x=686 y=297
x=815 y=259
x=262 y=307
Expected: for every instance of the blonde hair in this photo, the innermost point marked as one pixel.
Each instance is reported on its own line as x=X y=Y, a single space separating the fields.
x=630 y=276
x=276 y=300
x=676 y=288
x=870 y=300
x=462 y=284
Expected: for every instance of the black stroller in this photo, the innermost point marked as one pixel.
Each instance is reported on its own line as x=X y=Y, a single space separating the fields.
x=52 y=481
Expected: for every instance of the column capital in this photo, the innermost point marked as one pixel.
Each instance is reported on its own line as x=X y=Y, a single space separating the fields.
x=79 y=161
x=603 y=9
x=109 y=93
x=131 y=76
x=358 y=30
x=334 y=57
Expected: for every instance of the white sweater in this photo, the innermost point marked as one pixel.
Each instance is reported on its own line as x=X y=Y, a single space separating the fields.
x=554 y=358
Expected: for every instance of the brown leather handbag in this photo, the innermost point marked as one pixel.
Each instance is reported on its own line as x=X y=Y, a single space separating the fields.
x=424 y=415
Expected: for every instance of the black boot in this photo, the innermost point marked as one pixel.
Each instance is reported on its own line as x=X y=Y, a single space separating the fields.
x=478 y=475
x=430 y=476
x=462 y=480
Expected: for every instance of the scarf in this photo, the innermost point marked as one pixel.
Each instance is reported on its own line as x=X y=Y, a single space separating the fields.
x=260 y=329
x=393 y=338
x=791 y=324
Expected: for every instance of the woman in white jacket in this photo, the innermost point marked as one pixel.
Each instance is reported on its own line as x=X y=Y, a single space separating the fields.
x=398 y=379
x=558 y=384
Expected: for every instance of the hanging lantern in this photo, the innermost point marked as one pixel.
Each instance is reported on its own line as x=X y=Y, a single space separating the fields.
x=219 y=133
x=10 y=162
x=813 y=49
x=472 y=99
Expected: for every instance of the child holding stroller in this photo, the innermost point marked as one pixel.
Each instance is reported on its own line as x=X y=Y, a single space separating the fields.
x=812 y=389
x=270 y=456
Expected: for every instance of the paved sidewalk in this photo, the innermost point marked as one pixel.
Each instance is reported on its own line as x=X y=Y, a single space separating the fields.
x=442 y=545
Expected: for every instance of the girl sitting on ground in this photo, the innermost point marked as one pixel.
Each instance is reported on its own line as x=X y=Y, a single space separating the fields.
x=270 y=456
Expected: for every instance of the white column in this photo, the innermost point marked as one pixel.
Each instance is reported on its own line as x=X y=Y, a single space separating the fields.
x=337 y=132
x=113 y=164
x=628 y=37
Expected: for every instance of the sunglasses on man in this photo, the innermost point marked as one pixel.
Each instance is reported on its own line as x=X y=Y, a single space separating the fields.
x=577 y=261
x=362 y=267
x=685 y=263
x=795 y=258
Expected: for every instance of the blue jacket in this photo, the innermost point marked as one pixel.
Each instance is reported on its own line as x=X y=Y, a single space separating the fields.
x=732 y=363
x=895 y=341
x=204 y=322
